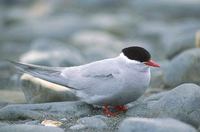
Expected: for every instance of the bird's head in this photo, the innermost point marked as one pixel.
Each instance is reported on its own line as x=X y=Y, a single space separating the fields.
x=140 y=55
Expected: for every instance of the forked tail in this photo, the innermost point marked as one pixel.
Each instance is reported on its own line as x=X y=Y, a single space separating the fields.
x=51 y=74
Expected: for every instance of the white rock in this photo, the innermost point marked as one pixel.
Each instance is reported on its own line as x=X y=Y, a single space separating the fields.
x=39 y=91
x=52 y=123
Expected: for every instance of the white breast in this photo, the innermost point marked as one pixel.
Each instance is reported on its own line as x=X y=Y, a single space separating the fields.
x=135 y=84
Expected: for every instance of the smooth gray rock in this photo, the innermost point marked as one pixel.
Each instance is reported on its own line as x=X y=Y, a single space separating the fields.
x=3 y=104
x=116 y=24
x=11 y=96
x=52 y=53
x=180 y=44
x=180 y=38
x=7 y=77
x=182 y=103
x=95 y=122
x=152 y=33
x=95 y=4
x=45 y=110
x=40 y=91
x=154 y=125
x=184 y=68
x=28 y=128
x=3 y=124
x=77 y=127
x=34 y=122
x=157 y=79
x=56 y=27
x=174 y=38
x=167 y=8
x=157 y=75
x=97 y=45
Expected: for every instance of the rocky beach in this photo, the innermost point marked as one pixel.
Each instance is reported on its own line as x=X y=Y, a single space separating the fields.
x=63 y=33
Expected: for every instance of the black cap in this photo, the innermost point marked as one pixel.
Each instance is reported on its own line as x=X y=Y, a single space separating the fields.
x=137 y=53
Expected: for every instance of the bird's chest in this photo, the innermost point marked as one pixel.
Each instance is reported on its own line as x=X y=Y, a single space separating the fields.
x=134 y=85
x=133 y=79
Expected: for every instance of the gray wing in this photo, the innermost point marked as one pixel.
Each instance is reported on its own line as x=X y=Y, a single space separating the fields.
x=97 y=78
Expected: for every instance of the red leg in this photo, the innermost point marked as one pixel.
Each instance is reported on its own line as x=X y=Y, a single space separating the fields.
x=121 y=108
x=107 y=112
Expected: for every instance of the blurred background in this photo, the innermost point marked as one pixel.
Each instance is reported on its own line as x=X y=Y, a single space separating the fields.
x=75 y=32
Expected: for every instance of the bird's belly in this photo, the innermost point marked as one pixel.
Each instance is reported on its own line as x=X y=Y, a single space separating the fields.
x=123 y=97
x=126 y=96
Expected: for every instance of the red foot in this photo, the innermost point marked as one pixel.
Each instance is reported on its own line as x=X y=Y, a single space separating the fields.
x=107 y=112
x=118 y=109
x=121 y=108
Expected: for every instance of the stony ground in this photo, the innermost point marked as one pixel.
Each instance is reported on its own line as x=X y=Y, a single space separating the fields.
x=75 y=32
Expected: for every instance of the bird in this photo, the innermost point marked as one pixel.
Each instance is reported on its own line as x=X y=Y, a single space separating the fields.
x=107 y=83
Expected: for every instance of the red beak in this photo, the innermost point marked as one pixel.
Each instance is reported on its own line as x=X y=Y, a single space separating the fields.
x=152 y=63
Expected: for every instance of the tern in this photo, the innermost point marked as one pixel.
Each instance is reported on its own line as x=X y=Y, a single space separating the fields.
x=112 y=82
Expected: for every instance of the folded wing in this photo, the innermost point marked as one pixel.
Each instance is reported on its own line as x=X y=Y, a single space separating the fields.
x=94 y=78
x=97 y=78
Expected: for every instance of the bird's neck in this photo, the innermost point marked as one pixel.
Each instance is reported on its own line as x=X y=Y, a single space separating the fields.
x=132 y=64
x=125 y=59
